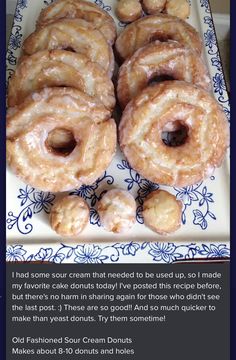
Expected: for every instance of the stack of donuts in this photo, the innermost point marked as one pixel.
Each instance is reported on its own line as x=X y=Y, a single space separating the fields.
x=172 y=131
x=153 y=49
x=60 y=133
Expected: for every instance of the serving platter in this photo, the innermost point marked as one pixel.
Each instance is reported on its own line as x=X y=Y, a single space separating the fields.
x=205 y=217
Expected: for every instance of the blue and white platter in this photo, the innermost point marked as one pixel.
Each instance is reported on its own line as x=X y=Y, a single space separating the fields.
x=205 y=217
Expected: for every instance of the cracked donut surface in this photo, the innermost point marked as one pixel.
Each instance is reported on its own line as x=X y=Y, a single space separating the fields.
x=59 y=139
x=88 y=11
x=60 y=68
x=156 y=27
x=117 y=211
x=159 y=108
x=162 y=212
x=160 y=59
x=75 y=34
x=69 y=215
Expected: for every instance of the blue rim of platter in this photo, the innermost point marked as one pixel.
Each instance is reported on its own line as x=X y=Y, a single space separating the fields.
x=33 y=202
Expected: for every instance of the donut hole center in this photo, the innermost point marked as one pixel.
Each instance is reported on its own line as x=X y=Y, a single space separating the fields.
x=61 y=142
x=174 y=133
x=160 y=37
x=156 y=79
x=69 y=49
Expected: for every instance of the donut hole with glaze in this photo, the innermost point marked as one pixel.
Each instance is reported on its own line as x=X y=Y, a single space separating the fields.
x=160 y=36
x=61 y=142
x=175 y=133
x=156 y=79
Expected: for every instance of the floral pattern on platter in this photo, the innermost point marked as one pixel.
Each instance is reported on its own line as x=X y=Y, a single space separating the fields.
x=188 y=195
x=145 y=187
x=102 y=5
x=206 y=5
x=92 y=194
x=32 y=202
x=197 y=193
x=21 y=5
x=219 y=84
x=48 y=2
x=15 y=38
x=164 y=253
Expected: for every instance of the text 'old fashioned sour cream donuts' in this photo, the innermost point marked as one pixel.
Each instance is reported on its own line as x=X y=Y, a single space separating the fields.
x=117 y=211
x=162 y=212
x=60 y=68
x=76 y=35
x=166 y=107
x=155 y=60
x=69 y=216
x=59 y=139
x=156 y=27
x=81 y=9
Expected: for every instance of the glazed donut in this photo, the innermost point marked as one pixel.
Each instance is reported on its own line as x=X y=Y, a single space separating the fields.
x=162 y=212
x=69 y=216
x=166 y=107
x=117 y=211
x=60 y=68
x=156 y=27
x=179 y=8
x=92 y=13
x=153 y=6
x=76 y=35
x=128 y=11
x=59 y=139
x=156 y=60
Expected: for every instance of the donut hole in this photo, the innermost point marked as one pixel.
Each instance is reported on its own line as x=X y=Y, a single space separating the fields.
x=156 y=79
x=174 y=133
x=61 y=142
x=68 y=48
x=160 y=36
